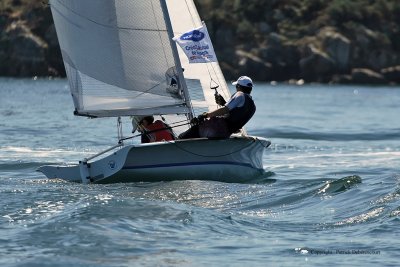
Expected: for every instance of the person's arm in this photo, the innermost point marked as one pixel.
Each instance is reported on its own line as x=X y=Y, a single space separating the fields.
x=237 y=100
x=218 y=112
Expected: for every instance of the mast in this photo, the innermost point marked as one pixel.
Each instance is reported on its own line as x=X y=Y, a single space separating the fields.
x=176 y=58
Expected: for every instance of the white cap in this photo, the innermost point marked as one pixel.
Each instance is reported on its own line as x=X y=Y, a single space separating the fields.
x=244 y=81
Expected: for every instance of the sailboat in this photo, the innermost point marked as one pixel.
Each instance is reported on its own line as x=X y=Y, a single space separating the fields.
x=121 y=60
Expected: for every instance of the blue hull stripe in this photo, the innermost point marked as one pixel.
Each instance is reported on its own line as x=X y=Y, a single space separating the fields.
x=190 y=164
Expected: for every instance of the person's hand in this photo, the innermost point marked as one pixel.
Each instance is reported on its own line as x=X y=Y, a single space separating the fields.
x=202 y=117
x=199 y=119
x=194 y=121
x=219 y=99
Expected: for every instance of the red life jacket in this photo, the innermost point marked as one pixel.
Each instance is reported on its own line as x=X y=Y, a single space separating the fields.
x=159 y=135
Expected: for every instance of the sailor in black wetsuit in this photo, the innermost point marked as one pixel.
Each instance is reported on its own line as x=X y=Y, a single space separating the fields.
x=228 y=119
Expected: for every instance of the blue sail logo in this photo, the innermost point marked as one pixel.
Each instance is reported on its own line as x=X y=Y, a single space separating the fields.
x=194 y=35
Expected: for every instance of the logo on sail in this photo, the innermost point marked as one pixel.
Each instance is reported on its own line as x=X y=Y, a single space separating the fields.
x=195 y=36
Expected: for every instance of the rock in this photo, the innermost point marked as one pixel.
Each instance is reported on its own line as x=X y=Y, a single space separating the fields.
x=281 y=56
x=371 y=49
x=272 y=52
x=378 y=59
x=337 y=46
x=341 y=79
x=278 y=15
x=255 y=66
x=27 y=53
x=264 y=27
x=4 y=63
x=53 y=56
x=366 y=76
x=223 y=35
x=392 y=74
x=365 y=38
x=283 y=60
x=316 y=66
x=274 y=39
x=51 y=36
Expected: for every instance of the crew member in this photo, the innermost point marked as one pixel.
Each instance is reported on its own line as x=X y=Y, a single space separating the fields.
x=228 y=119
x=154 y=131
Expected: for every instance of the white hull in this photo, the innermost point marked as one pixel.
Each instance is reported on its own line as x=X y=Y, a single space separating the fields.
x=236 y=159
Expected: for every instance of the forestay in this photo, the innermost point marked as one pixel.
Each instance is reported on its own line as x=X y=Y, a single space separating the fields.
x=118 y=57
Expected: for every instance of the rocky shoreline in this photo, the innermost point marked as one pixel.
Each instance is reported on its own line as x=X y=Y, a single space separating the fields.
x=311 y=41
x=28 y=41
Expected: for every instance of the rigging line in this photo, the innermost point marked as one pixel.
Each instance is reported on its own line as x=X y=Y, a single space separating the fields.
x=209 y=73
x=153 y=131
x=228 y=96
x=148 y=90
x=169 y=125
x=191 y=15
x=218 y=82
x=212 y=156
x=194 y=25
x=102 y=24
x=172 y=123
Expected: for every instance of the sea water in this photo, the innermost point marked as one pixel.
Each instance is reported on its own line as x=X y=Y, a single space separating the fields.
x=330 y=195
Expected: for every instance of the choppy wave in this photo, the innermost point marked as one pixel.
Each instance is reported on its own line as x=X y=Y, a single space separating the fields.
x=60 y=218
x=20 y=166
x=340 y=185
x=393 y=134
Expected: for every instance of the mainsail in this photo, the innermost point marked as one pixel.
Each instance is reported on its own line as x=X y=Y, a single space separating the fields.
x=120 y=59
